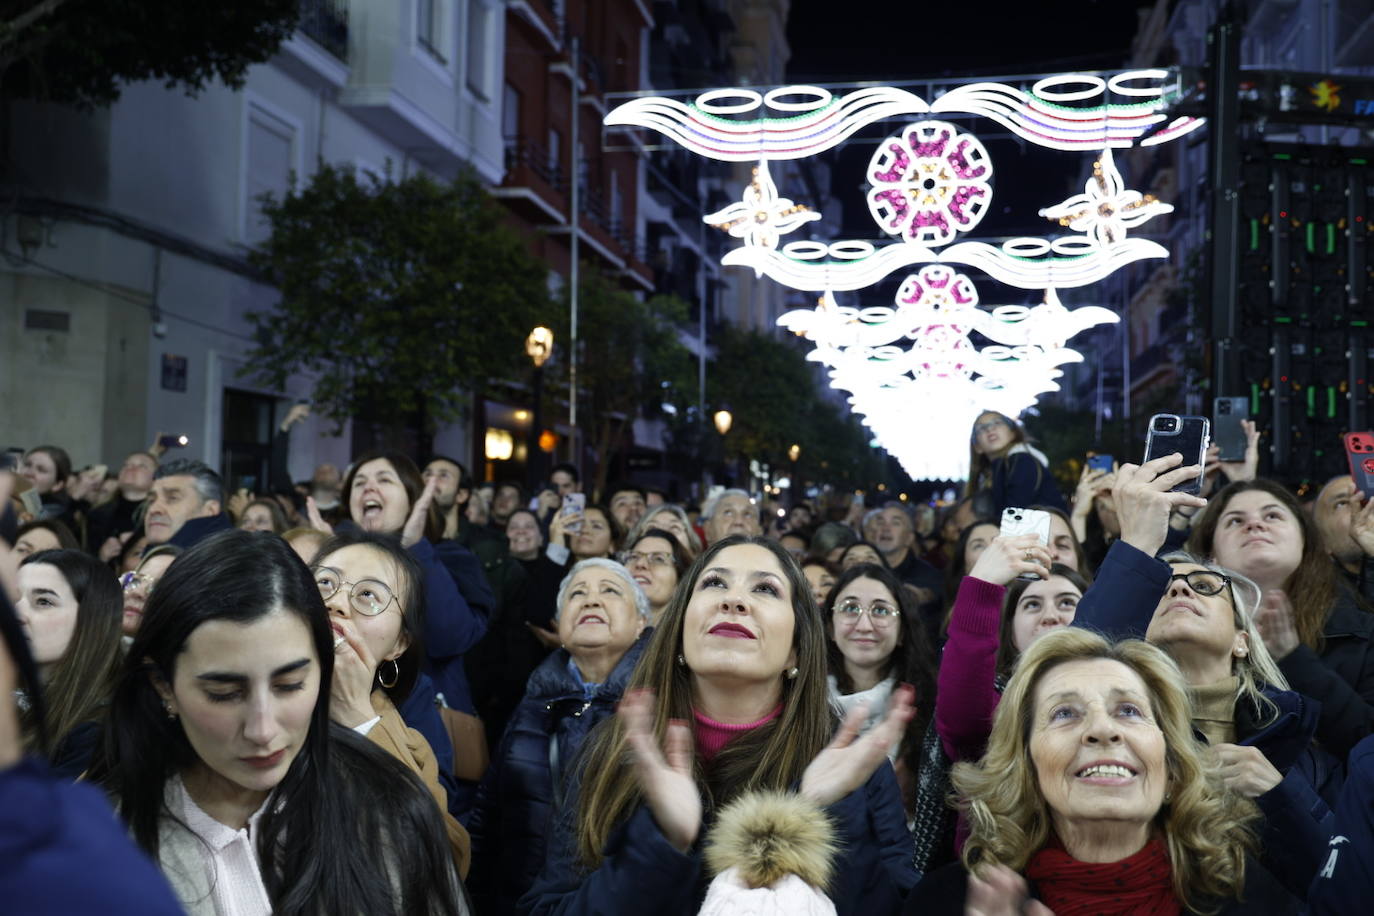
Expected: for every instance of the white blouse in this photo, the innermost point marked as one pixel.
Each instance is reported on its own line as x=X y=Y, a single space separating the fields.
x=876 y=697
x=230 y=855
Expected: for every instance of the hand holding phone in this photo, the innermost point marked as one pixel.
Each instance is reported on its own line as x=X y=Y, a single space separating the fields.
x=574 y=504
x=1188 y=436
x=1101 y=463
x=1359 y=451
x=1016 y=522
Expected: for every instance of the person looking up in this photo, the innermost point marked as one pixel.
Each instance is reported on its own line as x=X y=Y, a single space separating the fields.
x=895 y=536
x=657 y=562
x=627 y=505
x=731 y=512
x=565 y=479
x=796 y=543
x=1345 y=520
x=1004 y=464
x=670 y=518
x=262 y=515
x=186 y=504
x=108 y=523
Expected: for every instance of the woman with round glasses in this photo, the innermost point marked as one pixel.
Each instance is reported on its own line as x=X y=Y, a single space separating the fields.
x=69 y=607
x=602 y=617
x=875 y=645
x=1003 y=463
x=373 y=590
x=657 y=560
x=138 y=585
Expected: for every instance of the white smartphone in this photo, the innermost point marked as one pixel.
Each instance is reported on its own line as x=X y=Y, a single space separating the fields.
x=574 y=504
x=1026 y=521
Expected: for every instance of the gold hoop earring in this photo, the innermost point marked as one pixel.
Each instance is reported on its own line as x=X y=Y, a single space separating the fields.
x=395 y=674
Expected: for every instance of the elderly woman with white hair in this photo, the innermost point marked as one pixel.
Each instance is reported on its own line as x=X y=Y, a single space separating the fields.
x=602 y=616
x=730 y=512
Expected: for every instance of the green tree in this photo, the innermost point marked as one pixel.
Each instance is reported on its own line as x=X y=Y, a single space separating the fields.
x=631 y=360
x=395 y=296
x=79 y=52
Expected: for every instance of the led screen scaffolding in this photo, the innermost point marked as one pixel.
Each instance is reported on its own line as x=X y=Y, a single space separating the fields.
x=910 y=367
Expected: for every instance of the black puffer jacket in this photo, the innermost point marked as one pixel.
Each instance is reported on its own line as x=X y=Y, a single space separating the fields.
x=525 y=782
x=1341 y=678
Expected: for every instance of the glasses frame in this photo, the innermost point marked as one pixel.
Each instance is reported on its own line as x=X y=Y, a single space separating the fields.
x=129 y=579
x=315 y=571
x=627 y=557
x=1225 y=582
x=853 y=619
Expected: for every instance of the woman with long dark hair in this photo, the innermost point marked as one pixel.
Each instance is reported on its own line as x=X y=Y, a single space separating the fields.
x=1004 y=464
x=223 y=761
x=71 y=608
x=740 y=655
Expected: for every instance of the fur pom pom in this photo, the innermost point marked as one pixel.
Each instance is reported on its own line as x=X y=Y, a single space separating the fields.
x=766 y=836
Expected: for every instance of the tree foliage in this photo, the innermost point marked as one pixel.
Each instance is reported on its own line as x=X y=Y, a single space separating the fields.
x=79 y=52
x=394 y=295
x=631 y=360
x=775 y=397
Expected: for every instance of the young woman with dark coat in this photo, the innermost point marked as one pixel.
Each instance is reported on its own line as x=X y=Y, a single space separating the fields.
x=740 y=655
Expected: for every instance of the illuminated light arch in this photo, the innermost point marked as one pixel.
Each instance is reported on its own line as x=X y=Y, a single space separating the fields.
x=930 y=184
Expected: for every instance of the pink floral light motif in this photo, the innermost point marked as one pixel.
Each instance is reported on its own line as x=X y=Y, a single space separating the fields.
x=930 y=183
x=932 y=302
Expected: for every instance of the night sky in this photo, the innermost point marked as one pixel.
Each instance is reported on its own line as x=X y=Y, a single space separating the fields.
x=956 y=40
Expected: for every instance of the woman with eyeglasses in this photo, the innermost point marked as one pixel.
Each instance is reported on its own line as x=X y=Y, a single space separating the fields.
x=1004 y=463
x=1204 y=616
x=138 y=584
x=69 y=607
x=657 y=561
x=876 y=644
x=223 y=760
x=373 y=590
x=602 y=616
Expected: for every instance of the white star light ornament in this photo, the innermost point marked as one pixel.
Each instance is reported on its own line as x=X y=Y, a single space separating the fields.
x=760 y=217
x=1106 y=210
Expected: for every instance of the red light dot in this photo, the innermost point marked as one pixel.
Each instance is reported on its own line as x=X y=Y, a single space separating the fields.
x=1283 y=214
x=1283 y=378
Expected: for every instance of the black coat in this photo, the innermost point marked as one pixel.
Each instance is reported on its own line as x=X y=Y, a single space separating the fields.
x=1341 y=678
x=509 y=825
x=943 y=891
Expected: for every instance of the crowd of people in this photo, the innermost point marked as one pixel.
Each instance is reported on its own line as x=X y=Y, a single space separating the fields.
x=395 y=689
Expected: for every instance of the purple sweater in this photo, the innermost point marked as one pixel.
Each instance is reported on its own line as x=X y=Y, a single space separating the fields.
x=967 y=697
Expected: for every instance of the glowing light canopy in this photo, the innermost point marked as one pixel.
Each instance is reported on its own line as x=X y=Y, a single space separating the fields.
x=912 y=370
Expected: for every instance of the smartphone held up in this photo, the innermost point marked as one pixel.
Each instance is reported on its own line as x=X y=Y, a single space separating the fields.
x=1017 y=521
x=1188 y=436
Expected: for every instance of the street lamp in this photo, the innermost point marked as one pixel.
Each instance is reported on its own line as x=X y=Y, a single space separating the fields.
x=793 y=453
x=539 y=347
x=723 y=419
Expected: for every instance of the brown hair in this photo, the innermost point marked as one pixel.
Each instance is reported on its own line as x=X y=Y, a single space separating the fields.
x=1207 y=828
x=80 y=683
x=980 y=465
x=1312 y=587
x=772 y=756
x=410 y=479
x=1007 y=653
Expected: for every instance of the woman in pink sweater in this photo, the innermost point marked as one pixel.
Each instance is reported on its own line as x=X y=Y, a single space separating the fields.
x=990 y=625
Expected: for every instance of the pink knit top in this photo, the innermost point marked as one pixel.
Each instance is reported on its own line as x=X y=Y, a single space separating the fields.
x=713 y=735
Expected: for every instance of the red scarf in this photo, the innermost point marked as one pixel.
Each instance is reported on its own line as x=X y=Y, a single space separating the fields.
x=1140 y=885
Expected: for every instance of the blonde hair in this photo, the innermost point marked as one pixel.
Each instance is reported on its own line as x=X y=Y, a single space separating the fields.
x=1257 y=669
x=1207 y=828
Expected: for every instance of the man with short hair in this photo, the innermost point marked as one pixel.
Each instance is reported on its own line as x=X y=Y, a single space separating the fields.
x=627 y=505
x=109 y=523
x=186 y=504
x=565 y=479
x=894 y=534
x=730 y=512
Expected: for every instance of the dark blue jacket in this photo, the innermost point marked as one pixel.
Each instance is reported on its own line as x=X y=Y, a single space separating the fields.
x=195 y=530
x=1019 y=479
x=456 y=611
x=63 y=851
x=1345 y=883
x=643 y=873
x=1119 y=604
x=528 y=773
x=1341 y=677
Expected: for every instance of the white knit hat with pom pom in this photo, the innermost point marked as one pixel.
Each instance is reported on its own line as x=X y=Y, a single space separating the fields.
x=771 y=853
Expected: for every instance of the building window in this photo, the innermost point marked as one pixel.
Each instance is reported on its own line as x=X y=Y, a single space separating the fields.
x=269 y=159
x=429 y=27
x=479 y=42
x=617 y=224
x=510 y=113
x=555 y=152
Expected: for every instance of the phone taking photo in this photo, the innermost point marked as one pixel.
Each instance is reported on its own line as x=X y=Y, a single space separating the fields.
x=1101 y=463
x=1016 y=522
x=1359 y=451
x=574 y=504
x=1227 y=415
x=1188 y=436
